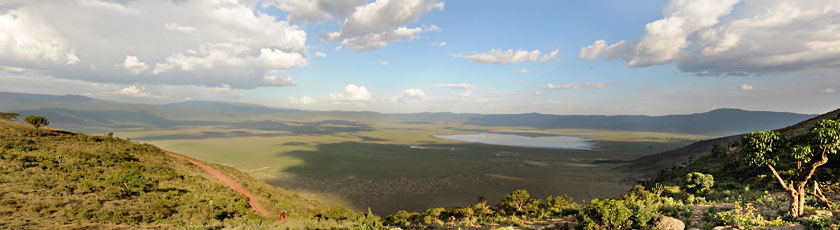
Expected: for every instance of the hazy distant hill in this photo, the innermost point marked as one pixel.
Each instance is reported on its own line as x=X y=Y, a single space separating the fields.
x=41 y=98
x=85 y=114
x=226 y=106
x=713 y=123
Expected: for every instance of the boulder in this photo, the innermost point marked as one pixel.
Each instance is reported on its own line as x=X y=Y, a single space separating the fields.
x=823 y=213
x=787 y=227
x=669 y=223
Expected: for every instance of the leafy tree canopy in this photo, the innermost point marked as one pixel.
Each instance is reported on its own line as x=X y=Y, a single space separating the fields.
x=36 y=121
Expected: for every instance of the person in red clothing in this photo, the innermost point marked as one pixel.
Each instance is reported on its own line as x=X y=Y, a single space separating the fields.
x=283 y=217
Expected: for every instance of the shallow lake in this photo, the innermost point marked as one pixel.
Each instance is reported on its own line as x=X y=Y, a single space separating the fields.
x=533 y=141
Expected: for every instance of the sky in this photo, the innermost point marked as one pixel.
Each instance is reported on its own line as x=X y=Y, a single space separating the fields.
x=610 y=57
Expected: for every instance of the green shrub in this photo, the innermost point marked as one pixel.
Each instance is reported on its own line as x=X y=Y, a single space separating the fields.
x=481 y=209
x=515 y=202
x=339 y=213
x=466 y=212
x=744 y=215
x=559 y=205
x=604 y=214
x=643 y=205
x=401 y=218
x=817 y=222
x=129 y=179
x=369 y=221
x=435 y=213
x=699 y=183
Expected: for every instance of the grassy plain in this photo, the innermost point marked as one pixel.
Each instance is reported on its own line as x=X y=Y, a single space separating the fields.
x=363 y=164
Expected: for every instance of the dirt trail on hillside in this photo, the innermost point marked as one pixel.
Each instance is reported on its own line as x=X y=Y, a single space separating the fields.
x=227 y=181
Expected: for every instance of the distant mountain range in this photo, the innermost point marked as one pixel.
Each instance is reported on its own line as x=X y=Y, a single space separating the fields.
x=713 y=123
x=86 y=114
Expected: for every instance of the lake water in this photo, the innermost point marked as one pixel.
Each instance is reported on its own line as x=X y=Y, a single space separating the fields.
x=534 y=141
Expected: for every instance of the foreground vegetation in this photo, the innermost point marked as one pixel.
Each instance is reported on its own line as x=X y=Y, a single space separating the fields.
x=690 y=200
x=59 y=179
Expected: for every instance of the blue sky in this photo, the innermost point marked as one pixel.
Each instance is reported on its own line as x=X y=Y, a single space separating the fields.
x=595 y=57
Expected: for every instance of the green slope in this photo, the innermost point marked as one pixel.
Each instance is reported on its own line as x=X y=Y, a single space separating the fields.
x=59 y=179
x=671 y=166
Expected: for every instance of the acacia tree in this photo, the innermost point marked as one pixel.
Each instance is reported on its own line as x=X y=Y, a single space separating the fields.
x=805 y=152
x=36 y=121
x=9 y=116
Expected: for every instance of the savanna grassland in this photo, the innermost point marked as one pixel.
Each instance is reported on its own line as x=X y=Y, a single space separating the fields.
x=55 y=179
x=363 y=163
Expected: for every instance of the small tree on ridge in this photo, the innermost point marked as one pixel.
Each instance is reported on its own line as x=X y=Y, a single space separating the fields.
x=9 y=116
x=36 y=121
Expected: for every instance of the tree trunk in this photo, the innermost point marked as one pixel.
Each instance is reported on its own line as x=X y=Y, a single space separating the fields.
x=795 y=209
x=819 y=195
x=801 y=202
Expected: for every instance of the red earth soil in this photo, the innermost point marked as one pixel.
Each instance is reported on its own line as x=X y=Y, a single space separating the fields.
x=227 y=181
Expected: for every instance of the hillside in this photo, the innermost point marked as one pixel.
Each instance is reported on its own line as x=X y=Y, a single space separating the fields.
x=59 y=179
x=90 y=115
x=697 y=157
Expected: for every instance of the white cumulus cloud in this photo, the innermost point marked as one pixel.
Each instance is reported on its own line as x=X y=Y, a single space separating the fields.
x=497 y=56
x=134 y=65
x=316 y=11
x=27 y=38
x=304 y=100
x=279 y=81
x=714 y=37
x=352 y=94
x=381 y=22
x=176 y=27
x=187 y=42
x=410 y=95
x=133 y=91
x=320 y=55
x=594 y=85
x=745 y=87
x=523 y=71
x=829 y=90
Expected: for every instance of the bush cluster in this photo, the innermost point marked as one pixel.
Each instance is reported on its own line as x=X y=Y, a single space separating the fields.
x=511 y=209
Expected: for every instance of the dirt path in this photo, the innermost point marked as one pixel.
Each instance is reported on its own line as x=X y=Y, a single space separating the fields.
x=227 y=181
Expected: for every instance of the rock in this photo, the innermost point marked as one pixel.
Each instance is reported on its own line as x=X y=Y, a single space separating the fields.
x=693 y=229
x=823 y=212
x=669 y=223
x=725 y=228
x=787 y=227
